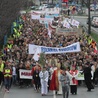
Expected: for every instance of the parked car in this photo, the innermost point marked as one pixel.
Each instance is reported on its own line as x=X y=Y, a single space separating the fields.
x=94 y=21
x=93 y=7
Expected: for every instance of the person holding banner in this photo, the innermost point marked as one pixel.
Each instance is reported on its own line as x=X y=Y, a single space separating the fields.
x=73 y=75
x=20 y=81
x=34 y=68
x=36 y=78
x=27 y=81
x=37 y=66
x=44 y=75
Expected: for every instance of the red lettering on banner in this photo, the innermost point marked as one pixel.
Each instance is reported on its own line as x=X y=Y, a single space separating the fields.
x=26 y=73
x=65 y=0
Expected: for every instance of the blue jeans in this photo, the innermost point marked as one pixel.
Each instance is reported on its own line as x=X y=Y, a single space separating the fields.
x=7 y=82
x=14 y=79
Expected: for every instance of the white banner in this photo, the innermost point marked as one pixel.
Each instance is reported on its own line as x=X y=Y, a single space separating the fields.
x=35 y=17
x=45 y=20
x=25 y=74
x=66 y=24
x=32 y=48
x=75 y=47
x=81 y=76
x=36 y=55
x=75 y=23
x=48 y=11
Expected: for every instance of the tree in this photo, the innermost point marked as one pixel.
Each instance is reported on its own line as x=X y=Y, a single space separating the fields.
x=87 y=3
x=42 y=60
x=9 y=11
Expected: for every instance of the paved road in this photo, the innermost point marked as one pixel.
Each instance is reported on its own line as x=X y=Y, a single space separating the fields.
x=83 y=20
x=95 y=13
x=1 y=93
x=16 y=92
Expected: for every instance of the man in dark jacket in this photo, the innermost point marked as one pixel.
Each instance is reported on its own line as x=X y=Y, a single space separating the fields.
x=87 y=76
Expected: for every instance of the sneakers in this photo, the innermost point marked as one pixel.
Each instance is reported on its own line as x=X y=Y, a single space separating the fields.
x=7 y=91
x=89 y=90
x=44 y=95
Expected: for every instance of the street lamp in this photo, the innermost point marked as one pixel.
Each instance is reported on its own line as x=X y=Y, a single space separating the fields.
x=89 y=19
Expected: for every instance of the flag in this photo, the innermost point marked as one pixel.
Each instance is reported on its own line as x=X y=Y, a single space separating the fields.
x=37 y=54
x=66 y=24
x=75 y=23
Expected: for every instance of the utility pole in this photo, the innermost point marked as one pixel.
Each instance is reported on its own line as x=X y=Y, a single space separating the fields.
x=94 y=7
x=89 y=18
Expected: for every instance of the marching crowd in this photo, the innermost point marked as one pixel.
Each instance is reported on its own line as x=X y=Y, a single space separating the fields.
x=60 y=70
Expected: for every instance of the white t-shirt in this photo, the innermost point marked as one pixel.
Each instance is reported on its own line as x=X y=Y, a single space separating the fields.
x=13 y=71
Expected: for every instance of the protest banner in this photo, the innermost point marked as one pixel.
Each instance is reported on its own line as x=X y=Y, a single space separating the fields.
x=35 y=17
x=75 y=47
x=81 y=75
x=46 y=11
x=69 y=31
x=45 y=20
x=32 y=48
x=51 y=15
x=25 y=74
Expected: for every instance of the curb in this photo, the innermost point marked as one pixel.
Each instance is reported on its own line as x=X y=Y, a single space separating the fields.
x=81 y=16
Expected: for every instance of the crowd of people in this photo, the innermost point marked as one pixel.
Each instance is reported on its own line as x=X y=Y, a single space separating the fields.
x=16 y=57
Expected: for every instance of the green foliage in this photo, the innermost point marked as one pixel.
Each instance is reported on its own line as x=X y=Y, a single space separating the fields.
x=94 y=36
x=42 y=60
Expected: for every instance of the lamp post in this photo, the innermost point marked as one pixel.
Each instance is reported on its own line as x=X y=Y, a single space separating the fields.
x=89 y=19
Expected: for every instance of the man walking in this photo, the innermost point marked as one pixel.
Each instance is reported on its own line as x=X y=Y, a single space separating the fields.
x=65 y=83
x=87 y=76
x=7 y=77
x=1 y=71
